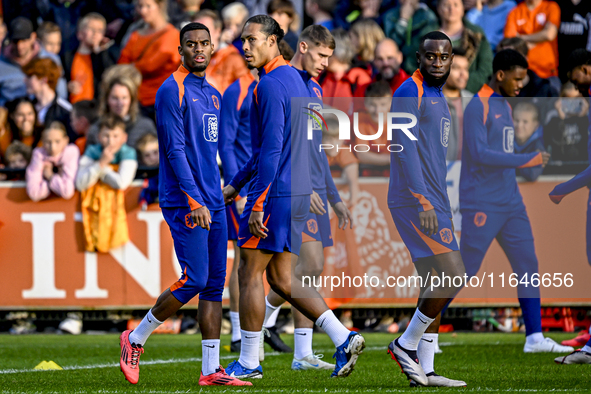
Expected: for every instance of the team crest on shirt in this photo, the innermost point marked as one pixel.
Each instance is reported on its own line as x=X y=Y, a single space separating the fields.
x=189 y=221
x=317 y=91
x=312 y=226
x=445 y=128
x=508 y=138
x=316 y=107
x=446 y=235
x=210 y=127
x=541 y=19
x=216 y=102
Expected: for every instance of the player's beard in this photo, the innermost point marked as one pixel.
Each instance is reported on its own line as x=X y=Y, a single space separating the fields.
x=435 y=81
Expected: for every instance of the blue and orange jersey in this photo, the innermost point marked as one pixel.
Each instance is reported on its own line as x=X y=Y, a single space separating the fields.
x=187 y=113
x=487 y=176
x=321 y=177
x=418 y=173
x=234 y=144
x=275 y=146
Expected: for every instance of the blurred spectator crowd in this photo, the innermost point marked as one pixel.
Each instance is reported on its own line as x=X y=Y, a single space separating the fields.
x=78 y=78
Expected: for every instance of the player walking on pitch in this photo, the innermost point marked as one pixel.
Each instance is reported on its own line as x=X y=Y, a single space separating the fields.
x=187 y=113
x=271 y=226
x=419 y=205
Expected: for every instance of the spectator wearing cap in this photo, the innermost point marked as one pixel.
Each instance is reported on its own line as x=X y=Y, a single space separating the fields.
x=491 y=16
x=227 y=64
x=41 y=80
x=21 y=50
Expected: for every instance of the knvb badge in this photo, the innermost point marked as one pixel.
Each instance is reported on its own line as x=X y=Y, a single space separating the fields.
x=210 y=127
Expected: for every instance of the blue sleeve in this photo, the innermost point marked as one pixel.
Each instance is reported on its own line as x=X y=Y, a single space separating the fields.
x=229 y=119
x=271 y=108
x=243 y=175
x=581 y=180
x=407 y=100
x=169 y=117
x=331 y=189
x=476 y=139
x=531 y=174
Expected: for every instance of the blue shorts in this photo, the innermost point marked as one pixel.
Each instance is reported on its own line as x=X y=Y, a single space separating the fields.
x=233 y=219
x=418 y=243
x=513 y=232
x=285 y=217
x=317 y=227
x=202 y=254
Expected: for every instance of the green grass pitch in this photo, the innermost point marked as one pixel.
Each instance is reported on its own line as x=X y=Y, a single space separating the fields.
x=487 y=362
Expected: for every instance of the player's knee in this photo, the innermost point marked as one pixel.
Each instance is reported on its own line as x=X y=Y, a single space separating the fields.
x=194 y=286
x=279 y=282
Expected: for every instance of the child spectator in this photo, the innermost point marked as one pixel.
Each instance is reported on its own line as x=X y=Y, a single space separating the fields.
x=341 y=157
x=227 y=64
x=234 y=15
x=84 y=114
x=340 y=80
x=120 y=97
x=567 y=123
x=50 y=37
x=365 y=36
x=378 y=101
x=491 y=16
x=53 y=166
x=91 y=58
x=528 y=136
x=17 y=157
x=105 y=171
x=149 y=157
x=21 y=124
x=321 y=12
x=285 y=14
x=537 y=22
x=153 y=50
x=42 y=76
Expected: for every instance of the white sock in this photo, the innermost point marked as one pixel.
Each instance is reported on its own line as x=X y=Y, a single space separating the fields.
x=333 y=327
x=140 y=334
x=249 y=349
x=415 y=330
x=586 y=348
x=302 y=346
x=534 y=338
x=426 y=351
x=235 y=319
x=211 y=356
x=271 y=313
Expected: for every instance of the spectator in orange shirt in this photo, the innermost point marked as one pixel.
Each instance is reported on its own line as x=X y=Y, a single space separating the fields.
x=91 y=58
x=340 y=80
x=227 y=64
x=378 y=100
x=537 y=23
x=153 y=50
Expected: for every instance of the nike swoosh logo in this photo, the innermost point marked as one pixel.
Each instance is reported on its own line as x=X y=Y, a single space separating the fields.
x=498 y=116
x=247 y=337
x=315 y=365
x=426 y=340
x=299 y=333
x=149 y=321
x=434 y=102
x=212 y=346
x=424 y=322
x=195 y=100
x=241 y=238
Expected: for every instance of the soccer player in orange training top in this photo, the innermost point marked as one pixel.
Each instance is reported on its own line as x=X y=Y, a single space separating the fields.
x=419 y=205
x=188 y=109
x=273 y=220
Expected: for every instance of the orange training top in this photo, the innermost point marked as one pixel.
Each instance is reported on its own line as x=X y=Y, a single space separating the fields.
x=226 y=66
x=82 y=73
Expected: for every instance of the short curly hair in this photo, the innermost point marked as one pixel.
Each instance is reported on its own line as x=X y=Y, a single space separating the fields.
x=44 y=68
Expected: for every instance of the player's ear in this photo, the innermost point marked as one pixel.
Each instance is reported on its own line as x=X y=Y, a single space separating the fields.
x=272 y=40
x=418 y=57
x=303 y=47
x=500 y=75
x=180 y=50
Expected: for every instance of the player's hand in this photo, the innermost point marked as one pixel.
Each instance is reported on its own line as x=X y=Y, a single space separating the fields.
x=316 y=204
x=342 y=212
x=229 y=194
x=545 y=158
x=429 y=224
x=240 y=205
x=201 y=217
x=256 y=226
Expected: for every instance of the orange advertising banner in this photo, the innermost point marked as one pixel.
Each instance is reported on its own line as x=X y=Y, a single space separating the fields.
x=43 y=263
